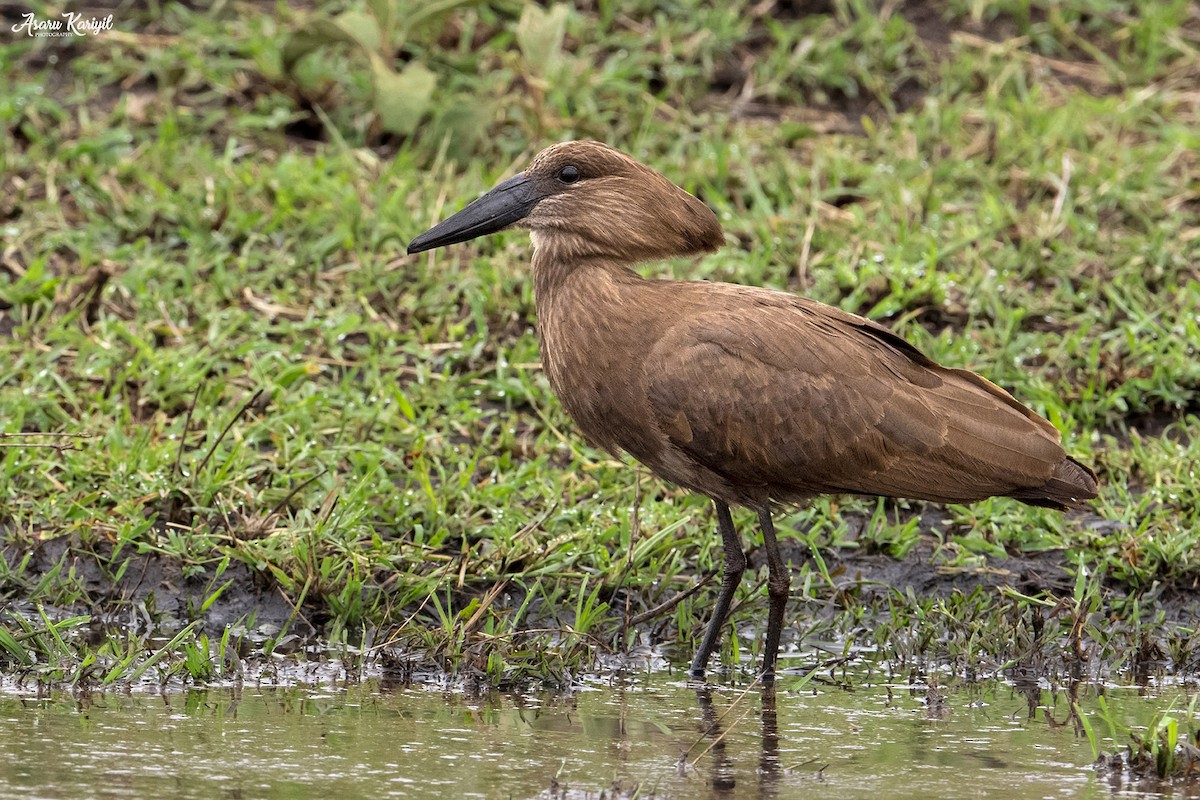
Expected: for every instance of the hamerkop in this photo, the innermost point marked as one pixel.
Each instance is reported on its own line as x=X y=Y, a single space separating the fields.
x=750 y=396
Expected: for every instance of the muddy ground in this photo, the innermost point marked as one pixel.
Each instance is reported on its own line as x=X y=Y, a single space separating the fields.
x=155 y=595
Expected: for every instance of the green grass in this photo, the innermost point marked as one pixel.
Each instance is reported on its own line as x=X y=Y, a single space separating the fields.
x=203 y=274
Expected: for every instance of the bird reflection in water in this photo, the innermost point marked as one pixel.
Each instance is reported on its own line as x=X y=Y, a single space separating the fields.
x=716 y=726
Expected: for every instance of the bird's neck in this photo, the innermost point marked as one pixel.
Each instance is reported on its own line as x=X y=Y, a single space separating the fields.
x=597 y=320
x=562 y=270
x=587 y=307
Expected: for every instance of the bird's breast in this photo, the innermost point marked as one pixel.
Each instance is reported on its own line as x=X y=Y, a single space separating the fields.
x=594 y=338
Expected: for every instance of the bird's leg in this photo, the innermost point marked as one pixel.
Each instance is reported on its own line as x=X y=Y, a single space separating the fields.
x=779 y=582
x=735 y=565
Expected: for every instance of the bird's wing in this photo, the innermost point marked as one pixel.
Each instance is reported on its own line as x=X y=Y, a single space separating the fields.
x=773 y=390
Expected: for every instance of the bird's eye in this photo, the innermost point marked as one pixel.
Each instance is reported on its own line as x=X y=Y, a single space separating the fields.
x=569 y=173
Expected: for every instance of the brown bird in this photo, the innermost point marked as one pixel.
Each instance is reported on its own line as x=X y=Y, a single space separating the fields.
x=750 y=396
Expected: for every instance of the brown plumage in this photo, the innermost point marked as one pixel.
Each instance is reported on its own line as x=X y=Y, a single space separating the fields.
x=747 y=395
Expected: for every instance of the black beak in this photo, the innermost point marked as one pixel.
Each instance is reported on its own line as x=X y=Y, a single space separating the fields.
x=505 y=204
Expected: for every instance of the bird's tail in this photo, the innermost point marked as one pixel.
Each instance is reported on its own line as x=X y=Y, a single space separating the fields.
x=1071 y=484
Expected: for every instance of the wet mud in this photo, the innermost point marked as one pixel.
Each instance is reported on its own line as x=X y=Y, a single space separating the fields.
x=156 y=592
x=142 y=591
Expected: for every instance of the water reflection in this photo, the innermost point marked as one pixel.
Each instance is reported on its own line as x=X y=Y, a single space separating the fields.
x=769 y=768
x=649 y=736
x=723 y=774
x=723 y=780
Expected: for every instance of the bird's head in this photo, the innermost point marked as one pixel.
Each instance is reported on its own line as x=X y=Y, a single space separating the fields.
x=587 y=200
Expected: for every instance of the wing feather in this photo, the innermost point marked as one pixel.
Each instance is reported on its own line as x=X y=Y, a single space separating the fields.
x=777 y=391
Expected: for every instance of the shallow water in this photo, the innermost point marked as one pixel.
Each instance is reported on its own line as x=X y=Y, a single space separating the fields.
x=654 y=734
